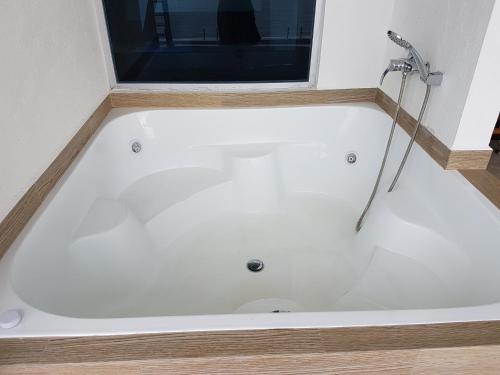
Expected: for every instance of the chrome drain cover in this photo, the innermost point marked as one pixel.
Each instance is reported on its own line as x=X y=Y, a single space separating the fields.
x=255 y=265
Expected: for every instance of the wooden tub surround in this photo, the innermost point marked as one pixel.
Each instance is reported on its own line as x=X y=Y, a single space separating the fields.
x=417 y=349
x=151 y=99
x=402 y=347
x=447 y=361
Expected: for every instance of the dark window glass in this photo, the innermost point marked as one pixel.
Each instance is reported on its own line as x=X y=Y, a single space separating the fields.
x=210 y=40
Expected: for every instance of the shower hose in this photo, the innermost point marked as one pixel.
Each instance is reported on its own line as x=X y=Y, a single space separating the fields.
x=361 y=220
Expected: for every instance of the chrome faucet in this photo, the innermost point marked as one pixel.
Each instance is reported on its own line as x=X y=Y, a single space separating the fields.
x=414 y=60
x=413 y=63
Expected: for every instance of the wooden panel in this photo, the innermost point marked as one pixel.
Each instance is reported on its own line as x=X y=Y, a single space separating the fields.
x=469 y=160
x=484 y=360
x=246 y=343
x=22 y=212
x=486 y=183
x=445 y=157
x=235 y=100
x=389 y=363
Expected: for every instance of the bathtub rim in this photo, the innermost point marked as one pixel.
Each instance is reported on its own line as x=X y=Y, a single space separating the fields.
x=106 y=107
x=230 y=322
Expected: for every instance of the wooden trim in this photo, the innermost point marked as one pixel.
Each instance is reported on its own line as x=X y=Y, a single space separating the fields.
x=18 y=217
x=124 y=99
x=246 y=343
x=456 y=361
x=468 y=160
x=446 y=158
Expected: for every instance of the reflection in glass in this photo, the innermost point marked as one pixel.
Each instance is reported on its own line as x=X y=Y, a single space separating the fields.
x=210 y=40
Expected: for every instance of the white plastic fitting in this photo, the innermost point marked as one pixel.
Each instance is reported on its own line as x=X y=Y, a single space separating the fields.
x=10 y=319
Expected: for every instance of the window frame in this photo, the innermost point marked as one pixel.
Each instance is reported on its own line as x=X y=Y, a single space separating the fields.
x=215 y=87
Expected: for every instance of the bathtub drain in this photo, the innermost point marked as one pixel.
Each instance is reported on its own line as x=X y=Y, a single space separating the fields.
x=255 y=265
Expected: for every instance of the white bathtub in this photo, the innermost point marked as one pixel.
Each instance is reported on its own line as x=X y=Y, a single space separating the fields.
x=158 y=241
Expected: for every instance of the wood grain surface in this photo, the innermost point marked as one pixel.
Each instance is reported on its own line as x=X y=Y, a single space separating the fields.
x=151 y=99
x=449 y=361
x=246 y=343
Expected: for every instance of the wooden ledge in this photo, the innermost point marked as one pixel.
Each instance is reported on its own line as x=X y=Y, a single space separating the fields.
x=484 y=360
x=246 y=343
x=152 y=99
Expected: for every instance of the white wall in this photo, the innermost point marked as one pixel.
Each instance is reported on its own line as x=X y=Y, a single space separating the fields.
x=449 y=34
x=52 y=78
x=353 y=48
x=483 y=103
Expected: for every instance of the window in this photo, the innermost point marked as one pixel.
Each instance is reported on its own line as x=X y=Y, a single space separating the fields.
x=210 y=41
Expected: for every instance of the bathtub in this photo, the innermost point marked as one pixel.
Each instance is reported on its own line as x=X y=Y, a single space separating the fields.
x=153 y=227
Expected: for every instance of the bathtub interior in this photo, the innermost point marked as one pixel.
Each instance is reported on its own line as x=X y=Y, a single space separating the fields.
x=169 y=230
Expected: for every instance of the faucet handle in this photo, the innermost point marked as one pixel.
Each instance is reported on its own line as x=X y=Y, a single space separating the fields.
x=383 y=75
x=398 y=65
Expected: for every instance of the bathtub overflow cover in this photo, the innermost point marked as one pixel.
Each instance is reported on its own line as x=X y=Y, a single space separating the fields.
x=255 y=265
